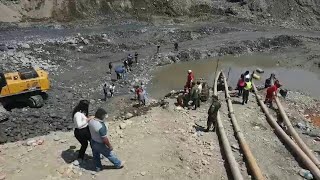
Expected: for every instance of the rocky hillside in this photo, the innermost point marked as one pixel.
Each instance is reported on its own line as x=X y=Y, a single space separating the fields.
x=296 y=13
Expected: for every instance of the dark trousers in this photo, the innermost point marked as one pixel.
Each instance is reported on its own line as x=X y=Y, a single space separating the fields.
x=240 y=88
x=83 y=136
x=196 y=102
x=118 y=76
x=105 y=96
x=245 y=96
x=212 y=120
x=136 y=59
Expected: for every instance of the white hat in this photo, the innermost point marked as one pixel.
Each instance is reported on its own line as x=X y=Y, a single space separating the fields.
x=189 y=71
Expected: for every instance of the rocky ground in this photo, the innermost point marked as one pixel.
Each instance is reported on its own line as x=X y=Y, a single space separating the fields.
x=77 y=57
x=166 y=142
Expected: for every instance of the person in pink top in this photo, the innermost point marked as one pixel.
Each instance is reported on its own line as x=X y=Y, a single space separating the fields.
x=240 y=85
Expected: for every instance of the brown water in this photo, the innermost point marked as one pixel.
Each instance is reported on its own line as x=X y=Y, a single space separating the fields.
x=173 y=77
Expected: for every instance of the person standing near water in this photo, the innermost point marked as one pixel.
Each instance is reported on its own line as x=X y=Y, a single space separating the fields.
x=246 y=91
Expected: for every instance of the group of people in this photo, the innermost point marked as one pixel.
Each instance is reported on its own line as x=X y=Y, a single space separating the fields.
x=108 y=90
x=244 y=87
x=93 y=130
x=141 y=94
x=126 y=67
x=193 y=91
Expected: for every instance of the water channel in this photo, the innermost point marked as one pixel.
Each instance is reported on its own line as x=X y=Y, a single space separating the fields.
x=173 y=77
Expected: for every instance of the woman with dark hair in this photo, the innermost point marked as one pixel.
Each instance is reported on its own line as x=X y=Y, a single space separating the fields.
x=81 y=131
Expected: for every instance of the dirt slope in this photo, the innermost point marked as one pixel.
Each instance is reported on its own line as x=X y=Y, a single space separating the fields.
x=288 y=13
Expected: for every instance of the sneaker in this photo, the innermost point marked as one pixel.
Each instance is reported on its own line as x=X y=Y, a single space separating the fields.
x=77 y=162
x=121 y=165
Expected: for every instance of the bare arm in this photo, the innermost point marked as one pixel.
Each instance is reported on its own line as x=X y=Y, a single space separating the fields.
x=107 y=143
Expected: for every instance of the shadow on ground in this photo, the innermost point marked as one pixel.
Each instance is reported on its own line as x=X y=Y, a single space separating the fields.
x=71 y=154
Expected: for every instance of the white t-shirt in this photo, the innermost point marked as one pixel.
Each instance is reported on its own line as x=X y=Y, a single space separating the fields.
x=80 y=120
x=248 y=76
x=199 y=88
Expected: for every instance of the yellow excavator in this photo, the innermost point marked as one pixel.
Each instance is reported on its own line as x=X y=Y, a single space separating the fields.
x=27 y=86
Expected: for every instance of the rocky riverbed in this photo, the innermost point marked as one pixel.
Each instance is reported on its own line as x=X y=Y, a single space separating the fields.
x=78 y=64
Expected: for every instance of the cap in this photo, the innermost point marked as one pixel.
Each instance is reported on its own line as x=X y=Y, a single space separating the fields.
x=189 y=71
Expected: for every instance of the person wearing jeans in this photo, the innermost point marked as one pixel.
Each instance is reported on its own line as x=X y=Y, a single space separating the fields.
x=100 y=143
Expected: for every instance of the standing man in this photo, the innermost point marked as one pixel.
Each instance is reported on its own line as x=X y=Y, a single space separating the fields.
x=136 y=57
x=271 y=93
x=246 y=90
x=158 y=48
x=110 y=66
x=190 y=79
x=111 y=89
x=176 y=46
x=212 y=113
x=195 y=96
x=126 y=65
x=100 y=143
x=130 y=61
x=105 y=91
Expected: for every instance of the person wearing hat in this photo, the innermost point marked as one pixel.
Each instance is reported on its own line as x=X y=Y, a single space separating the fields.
x=212 y=113
x=100 y=143
x=190 y=79
x=271 y=93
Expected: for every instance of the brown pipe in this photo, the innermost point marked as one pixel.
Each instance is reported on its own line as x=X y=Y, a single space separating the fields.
x=295 y=135
x=294 y=147
x=236 y=174
x=254 y=168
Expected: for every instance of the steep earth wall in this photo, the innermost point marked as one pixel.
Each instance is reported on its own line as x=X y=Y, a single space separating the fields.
x=292 y=12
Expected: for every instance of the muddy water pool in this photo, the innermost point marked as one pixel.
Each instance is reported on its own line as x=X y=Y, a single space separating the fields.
x=173 y=77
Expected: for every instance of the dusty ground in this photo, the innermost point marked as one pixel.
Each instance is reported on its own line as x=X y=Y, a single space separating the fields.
x=160 y=143
x=165 y=143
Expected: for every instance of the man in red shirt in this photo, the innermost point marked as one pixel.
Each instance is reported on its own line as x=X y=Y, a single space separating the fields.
x=271 y=92
x=190 y=79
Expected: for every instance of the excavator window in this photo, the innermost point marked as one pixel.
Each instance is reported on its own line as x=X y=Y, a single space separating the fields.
x=27 y=74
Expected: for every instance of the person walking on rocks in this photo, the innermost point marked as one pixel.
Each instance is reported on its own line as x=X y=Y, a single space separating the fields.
x=112 y=89
x=126 y=65
x=100 y=143
x=246 y=91
x=81 y=131
x=136 y=57
x=240 y=85
x=158 y=48
x=110 y=67
x=212 y=113
x=130 y=61
x=105 y=91
x=271 y=93
x=176 y=46
x=140 y=95
x=194 y=95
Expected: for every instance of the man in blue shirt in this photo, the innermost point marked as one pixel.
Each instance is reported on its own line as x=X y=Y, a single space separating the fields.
x=100 y=143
